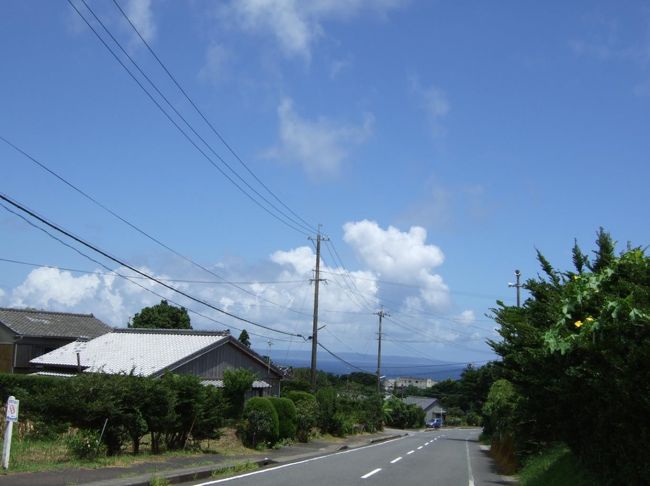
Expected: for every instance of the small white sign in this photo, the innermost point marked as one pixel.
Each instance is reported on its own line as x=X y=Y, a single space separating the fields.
x=12 y=409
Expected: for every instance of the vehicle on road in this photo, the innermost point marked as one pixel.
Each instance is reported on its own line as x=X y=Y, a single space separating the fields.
x=434 y=423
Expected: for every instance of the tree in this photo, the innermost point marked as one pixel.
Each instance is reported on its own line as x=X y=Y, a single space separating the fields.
x=236 y=382
x=577 y=354
x=161 y=316
x=244 y=338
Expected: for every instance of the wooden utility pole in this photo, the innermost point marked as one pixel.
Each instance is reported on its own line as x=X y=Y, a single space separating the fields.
x=314 y=335
x=381 y=315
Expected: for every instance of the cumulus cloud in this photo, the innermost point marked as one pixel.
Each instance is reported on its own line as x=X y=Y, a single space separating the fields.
x=296 y=25
x=320 y=145
x=283 y=298
x=401 y=256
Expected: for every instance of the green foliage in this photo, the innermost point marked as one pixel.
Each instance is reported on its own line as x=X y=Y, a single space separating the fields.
x=328 y=422
x=84 y=444
x=500 y=410
x=244 y=338
x=557 y=466
x=287 y=416
x=171 y=409
x=306 y=413
x=236 y=382
x=260 y=425
x=161 y=316
x=402 y=416
x=577 y=354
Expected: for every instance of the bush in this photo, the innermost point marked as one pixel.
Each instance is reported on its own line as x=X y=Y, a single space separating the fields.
x=306 y=411
x=260 y=423
x=84 y=444
x=327 y=412
x=287 y=416
x=236 y=382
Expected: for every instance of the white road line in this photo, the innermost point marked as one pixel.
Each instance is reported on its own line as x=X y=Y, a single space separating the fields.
x=366 y=476
x=291 y=464
x=396 y=460
x=469 y=465
x=409 y=452
x=419 y=447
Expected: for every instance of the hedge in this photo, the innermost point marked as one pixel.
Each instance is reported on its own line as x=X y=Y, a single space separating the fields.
x=287 y=416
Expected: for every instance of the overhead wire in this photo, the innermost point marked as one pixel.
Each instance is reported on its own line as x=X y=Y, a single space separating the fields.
x=133 y=226
x=205 y=119
x=135 y=270
x=285 y=220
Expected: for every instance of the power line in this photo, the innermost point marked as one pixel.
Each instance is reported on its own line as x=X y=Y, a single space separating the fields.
x=133 y=269
x=341 y=359
x=286 y=221
x=205 y=119
x=132 y=225
x=128 y=278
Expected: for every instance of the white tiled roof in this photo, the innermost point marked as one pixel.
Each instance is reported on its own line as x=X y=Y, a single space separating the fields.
x=141 y=352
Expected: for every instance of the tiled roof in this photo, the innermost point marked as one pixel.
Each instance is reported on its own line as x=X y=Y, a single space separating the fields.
x=29 y=322
x=143 y=352
x=423 y=402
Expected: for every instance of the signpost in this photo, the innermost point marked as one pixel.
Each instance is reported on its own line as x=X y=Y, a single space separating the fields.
x=12 y=416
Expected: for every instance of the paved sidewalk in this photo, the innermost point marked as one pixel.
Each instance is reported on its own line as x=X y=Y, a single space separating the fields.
x=180 y=469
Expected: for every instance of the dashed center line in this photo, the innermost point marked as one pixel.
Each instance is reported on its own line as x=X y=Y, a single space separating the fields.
x=410 y=452
x=366 y=476
x=419 y=447
x=397 y=459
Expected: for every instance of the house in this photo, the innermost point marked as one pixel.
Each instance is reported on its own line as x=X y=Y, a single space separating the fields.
x=154 y=352
x=404 y=382
x=431 y=406
x=28 y=333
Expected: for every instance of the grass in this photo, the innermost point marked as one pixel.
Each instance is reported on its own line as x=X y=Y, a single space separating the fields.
x=240 y=468
x=34 y=455
x=557 y=466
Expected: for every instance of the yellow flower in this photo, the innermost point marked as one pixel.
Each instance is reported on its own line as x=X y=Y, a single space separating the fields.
x=578 y=323
x=589 y=319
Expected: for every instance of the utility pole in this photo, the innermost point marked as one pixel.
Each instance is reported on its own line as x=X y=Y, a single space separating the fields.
x=316 y=280
x=268 y=371
x=381 y=315
x=518 y=286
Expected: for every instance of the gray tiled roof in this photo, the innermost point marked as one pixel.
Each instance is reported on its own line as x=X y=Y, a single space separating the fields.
x=30 y=322
x=423 y=402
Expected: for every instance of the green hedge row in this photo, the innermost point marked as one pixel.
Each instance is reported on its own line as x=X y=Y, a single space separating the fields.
x=172 y=409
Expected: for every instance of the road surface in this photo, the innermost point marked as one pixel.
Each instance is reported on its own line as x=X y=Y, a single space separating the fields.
x=442 y=457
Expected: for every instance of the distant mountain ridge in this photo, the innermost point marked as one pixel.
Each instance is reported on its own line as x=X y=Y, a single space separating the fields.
x=391 y=366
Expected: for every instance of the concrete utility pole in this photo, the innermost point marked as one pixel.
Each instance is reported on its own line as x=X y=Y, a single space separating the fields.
x=381 y=315
x=316 y=280
x=518 y=287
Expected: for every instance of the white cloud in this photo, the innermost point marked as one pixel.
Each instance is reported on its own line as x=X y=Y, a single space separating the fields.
x=433 y=100
x=400 y=256
x=466 y=317
x=295 y=24
x=216 y=59
x=318 y=145
x=141 y=14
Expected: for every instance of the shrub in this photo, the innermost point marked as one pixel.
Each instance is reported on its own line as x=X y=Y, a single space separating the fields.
x=84 y=444
x=236 y=382
x=287 y=416
x=260 y=422
x=327 y=411
x=306 y=411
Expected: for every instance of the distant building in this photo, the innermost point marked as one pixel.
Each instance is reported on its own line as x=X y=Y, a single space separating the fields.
x=404 y=382
x=154 y=352
x=431 y=406
x=27 y=333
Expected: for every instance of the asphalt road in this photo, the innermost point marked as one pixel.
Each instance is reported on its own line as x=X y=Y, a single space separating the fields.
x=443 y=457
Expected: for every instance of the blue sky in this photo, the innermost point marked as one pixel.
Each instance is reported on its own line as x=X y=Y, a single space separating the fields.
x=438 y=143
